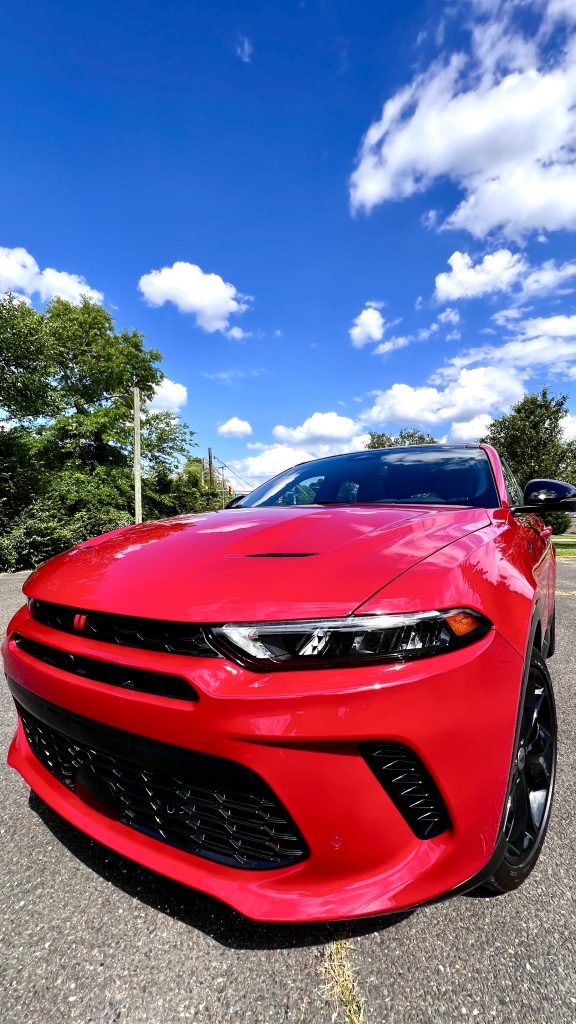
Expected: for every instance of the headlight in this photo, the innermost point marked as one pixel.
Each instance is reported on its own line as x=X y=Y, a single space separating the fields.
x=356 y=640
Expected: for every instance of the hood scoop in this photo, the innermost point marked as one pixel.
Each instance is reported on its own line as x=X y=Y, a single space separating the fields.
x=283 y=554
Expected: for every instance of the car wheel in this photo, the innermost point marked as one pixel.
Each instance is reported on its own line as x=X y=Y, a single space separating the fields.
x=529 y=798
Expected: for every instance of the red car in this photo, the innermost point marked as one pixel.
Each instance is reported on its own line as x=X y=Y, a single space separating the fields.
x=328 y=701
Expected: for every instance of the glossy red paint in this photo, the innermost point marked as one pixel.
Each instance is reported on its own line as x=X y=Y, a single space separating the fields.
x=300 y=730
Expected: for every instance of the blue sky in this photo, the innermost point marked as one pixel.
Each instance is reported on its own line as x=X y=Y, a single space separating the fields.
x=329 y=217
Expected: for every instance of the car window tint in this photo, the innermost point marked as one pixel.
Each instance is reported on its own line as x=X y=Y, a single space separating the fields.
x=426 y=475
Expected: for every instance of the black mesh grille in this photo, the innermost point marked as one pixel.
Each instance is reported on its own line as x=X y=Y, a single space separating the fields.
x=126 y=630
x=206 y=805
x=103 y=672
x=409 y=785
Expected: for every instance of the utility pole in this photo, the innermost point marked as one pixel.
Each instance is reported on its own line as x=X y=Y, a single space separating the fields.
x=210 y=469
x=202 y=473
x=223 y=489
x=137 y=465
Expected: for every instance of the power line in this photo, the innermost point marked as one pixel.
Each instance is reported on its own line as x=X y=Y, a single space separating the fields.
x=241 y=478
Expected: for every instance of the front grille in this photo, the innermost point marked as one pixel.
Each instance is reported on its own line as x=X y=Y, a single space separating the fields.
x=209 y=806
x=104 y=672
x=126 y=630
x=409 y=785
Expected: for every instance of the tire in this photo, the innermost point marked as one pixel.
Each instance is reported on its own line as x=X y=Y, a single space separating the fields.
x=531 y=788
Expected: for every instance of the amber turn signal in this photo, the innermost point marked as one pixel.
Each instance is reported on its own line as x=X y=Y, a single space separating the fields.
x=462 y=623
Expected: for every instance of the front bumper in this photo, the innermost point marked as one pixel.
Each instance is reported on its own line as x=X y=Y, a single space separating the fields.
x=300 y=733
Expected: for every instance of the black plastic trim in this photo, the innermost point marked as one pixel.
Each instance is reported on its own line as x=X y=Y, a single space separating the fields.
x=113 y=674
x=409 y=785
x=242 y=823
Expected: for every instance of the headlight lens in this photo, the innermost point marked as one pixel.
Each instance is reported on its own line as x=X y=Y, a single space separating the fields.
x=355 y=640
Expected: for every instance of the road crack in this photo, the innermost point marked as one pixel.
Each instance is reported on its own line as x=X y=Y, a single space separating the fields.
x=342 y=982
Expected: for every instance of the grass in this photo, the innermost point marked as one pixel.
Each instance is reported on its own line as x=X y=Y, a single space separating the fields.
x=342 y=981
x=565 y=545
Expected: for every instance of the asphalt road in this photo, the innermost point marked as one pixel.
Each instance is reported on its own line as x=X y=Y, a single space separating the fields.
x=86 y=936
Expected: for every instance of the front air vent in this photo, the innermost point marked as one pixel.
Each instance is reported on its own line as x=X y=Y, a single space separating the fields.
x=206 y=805
x=104 y=672
x=409 y=785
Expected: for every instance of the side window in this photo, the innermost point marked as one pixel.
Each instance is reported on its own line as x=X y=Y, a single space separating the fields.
x=513 y=489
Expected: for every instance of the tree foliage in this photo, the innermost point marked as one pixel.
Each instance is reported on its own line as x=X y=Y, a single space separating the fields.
x=66 y=447
x=531 y=439
x=408 y=435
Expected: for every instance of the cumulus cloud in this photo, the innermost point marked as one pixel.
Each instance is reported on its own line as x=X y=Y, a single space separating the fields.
x=273 y=459
x=20 y=273
x=500 y=123
x=497 y=272
x=449 y=316
x=210 y=299
x=169 y=396
x=368 y=326
x=234 y=427
x=569 y=427
x=470 y=430
x=469 y=394
x=320 y=428
x=502 y=271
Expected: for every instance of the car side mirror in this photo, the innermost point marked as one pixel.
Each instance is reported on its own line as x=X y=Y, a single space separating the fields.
x=548 y=496
x=236 y=500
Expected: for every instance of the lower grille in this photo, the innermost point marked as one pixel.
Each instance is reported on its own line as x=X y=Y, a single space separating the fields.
x=409 y=785
x=128 y=678
x=206 y=805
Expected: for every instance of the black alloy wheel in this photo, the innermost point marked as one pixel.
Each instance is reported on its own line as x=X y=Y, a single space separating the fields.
x=531 y=785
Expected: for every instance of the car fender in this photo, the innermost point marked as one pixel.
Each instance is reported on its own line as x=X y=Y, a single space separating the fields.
x=474 y=572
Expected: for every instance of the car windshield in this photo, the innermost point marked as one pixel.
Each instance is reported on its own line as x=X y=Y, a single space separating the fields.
x=413 y=476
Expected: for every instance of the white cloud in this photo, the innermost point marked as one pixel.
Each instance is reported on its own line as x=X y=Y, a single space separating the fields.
x=470 y=430
x=467 y=395
x=368 y=326
x=210 y=299
x=320 y=428
x=169 y=396
x=449 y=316
x=273 y=459
x=236 y=333
x=499 y=123
x=392 y=345
x=234 y=427
x=558 y=11
x=244 y=49
x=569 y=427
x=550 y=326
x=497 y=272
x=502 y=271
x=548 y=279
x=20 y=273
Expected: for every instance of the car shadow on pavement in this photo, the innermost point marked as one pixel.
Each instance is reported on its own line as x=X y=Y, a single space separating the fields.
x=196 y=909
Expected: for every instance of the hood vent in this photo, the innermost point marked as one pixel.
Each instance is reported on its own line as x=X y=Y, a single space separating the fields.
x=283 y=554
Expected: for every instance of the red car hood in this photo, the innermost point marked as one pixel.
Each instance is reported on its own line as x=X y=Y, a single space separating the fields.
x=250 y=564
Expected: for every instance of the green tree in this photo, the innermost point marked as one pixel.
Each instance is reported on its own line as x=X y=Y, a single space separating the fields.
x=531 y=439
x=66 y=380
x=408 y=435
